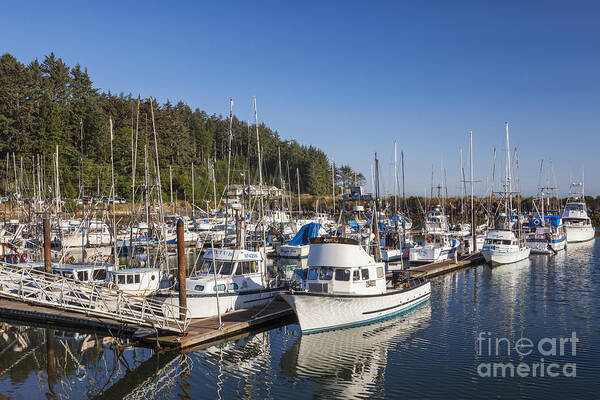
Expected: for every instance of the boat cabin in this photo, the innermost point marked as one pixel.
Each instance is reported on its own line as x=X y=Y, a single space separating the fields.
x=139 y=281
x=96 y=274
x=342 y=266
x=236 y=270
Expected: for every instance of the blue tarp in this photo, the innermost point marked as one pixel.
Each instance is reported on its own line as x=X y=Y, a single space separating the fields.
x=353 y=223
x=307 y=231
x=552 y=220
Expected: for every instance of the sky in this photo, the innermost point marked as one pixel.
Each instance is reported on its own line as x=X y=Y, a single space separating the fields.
x=353 y=77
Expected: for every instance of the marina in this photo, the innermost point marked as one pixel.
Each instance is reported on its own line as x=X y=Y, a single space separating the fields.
x=318 y=200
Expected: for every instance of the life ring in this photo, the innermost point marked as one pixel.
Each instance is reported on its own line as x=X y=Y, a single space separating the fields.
x=429 y=238
x=537 y=222
x=24 y=257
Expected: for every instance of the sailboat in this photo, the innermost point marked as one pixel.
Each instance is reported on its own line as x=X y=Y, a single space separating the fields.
x=503 y=246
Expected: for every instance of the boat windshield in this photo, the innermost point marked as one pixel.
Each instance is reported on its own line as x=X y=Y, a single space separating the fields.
x=320 y=273
x=223 y=267
x=575 y=207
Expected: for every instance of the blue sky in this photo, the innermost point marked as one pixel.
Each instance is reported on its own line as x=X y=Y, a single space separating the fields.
x=352 y=77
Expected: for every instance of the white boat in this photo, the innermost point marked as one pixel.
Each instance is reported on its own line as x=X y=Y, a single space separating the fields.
x=437 y=247
x=345 y=287
x=137 y=281
x=548 y=235
x=299 y=246
x=503 y=247
x=578 y=224
x=436 y=221
x=240 y=281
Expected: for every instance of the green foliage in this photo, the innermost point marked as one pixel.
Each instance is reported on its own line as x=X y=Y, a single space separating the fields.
x=45 y=104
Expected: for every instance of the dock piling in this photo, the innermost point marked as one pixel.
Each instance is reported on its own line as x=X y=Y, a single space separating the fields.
x=47 y=254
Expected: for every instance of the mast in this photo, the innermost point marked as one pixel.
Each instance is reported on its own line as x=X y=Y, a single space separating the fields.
x=228 y=163
x=404 y=209
x=260 y=177
x=395 y=179
x=112 y=192
x=193 y=193
x=472 y=183
x=133 y=170
x=160 y=200
x=298 y=182
x=507 y=179
x=333 y=182
x=81 y=184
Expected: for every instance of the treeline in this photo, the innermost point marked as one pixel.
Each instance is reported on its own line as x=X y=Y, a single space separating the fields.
x=48 y=103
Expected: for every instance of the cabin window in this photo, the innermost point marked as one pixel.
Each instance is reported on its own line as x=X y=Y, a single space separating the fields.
x=233 y=286
x=250 y=267
x=239 y=269
x=99 y=275
x=129 y=279
x=83 y=276
x=68 y=274
x=356 y=275
x=221 y=288
x=342 y=275
x=506 y=242
x=226 y=269
x=199 y=288
x=312 y=275
x=136 y=278
x=365 y=274
x=380 y=272
x=325 y=274
x=488 y=241
x=121 y=279
x=152 y=277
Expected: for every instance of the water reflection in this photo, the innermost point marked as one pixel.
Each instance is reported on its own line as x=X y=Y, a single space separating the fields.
x=351 y=363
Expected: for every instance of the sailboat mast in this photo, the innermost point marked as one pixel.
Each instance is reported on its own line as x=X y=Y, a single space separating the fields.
x=228 y=164
x=333 y=182
x=112 y=191
x=395 y=178
x=507 y=182
x=298 y=183
x=472 y=183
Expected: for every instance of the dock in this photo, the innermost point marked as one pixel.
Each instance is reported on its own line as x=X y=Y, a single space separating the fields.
x=206 y=331
x=440 y=268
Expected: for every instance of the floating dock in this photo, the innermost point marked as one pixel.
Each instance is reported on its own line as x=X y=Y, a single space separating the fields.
x=206 y=331
x=443 y=267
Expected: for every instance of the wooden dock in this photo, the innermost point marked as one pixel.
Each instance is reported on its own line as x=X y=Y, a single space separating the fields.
x=444 y=267
x=22 y=312
x=206 y=331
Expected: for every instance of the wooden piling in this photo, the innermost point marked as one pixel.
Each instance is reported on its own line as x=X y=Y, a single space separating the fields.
x=47 y=254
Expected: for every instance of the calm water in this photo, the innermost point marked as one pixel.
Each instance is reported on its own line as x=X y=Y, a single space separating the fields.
x=430 y=353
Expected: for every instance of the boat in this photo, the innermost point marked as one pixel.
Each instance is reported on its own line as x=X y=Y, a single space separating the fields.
x=299 y=246
x=548 y=235
x=228 y=280
x=502 y=246
x=577 y=223
x=345 y=288
x=437 y=247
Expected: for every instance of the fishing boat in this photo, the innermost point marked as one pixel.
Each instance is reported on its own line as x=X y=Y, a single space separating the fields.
x=228 y=280
x=577 y=223
x=299 y=246
x=437 y=247
x=504 y=245
x=548 y=235
x=345 y=287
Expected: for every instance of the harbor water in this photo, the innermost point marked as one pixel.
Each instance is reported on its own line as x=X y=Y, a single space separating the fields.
x=541 y=316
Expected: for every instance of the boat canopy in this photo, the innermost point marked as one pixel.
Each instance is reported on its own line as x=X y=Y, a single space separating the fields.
x=305 y=233
x=552 y=220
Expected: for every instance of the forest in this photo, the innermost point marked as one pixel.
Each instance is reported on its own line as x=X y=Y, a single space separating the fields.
x=47 y=104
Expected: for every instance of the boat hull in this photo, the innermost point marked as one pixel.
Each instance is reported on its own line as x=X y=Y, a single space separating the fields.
x=541 y=246
x=323 y=312
x=288 y=251
x=205 y=306
x=579 y=233
x=495 y=257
